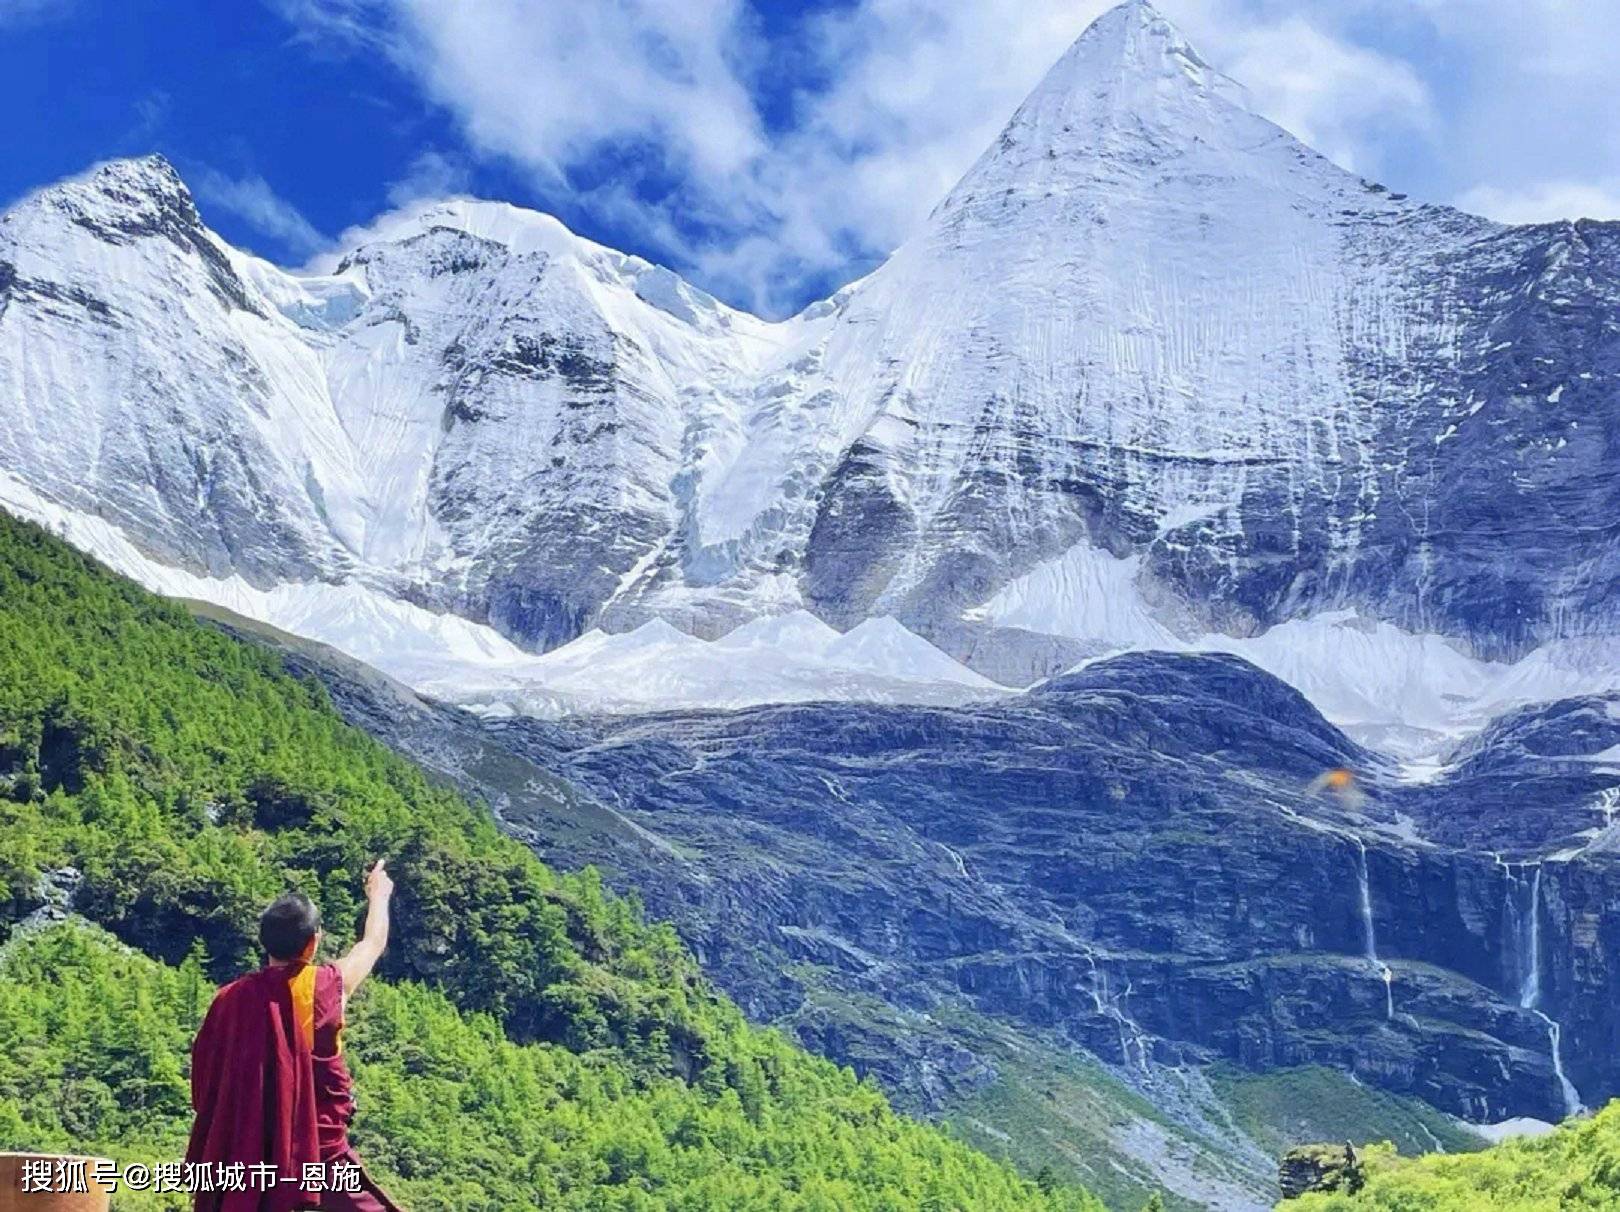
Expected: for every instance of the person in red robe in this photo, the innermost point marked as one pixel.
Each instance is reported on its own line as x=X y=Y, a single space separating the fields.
x=269 y=1085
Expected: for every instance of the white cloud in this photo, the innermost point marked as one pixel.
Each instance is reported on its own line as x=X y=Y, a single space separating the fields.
x=667 y=86
x=1543 y=202
x=1339 y=98
x=645 y=113
x=1533 y=129
x=431 y=175
x=549 y=83
x=917 y=89
x=251 y=199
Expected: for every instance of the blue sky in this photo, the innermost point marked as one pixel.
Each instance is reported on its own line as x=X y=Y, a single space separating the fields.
x=768 y=150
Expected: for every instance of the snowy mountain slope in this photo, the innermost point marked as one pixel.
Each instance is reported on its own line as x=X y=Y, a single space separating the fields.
x=657 y=667
x=447 y=415
x=145 y=382
x=1150 y=324
x=1153 y=375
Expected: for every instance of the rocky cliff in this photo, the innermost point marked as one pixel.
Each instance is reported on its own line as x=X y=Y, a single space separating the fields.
x=1132 y=855
x=1134 y=861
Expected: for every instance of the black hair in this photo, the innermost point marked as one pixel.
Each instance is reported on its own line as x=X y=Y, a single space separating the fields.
x=287 y=925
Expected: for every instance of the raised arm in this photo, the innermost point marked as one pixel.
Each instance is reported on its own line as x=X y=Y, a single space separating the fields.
x=363 y=956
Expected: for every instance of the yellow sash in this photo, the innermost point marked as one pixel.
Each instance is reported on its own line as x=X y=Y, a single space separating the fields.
x=303 y=999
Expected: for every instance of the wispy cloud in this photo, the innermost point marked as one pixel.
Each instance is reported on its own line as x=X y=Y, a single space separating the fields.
x=1523 y=120
x=251 y=200
x=651 y=114
x=1341 y=99
x=1544 y=201
x=17 y=13
x=658 y=76
x=1535 y=135
x=433 y=174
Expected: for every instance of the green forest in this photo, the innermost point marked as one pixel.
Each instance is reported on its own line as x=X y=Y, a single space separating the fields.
x=533 y=1042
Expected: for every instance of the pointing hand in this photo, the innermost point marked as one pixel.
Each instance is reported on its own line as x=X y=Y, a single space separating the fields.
x=378 y=884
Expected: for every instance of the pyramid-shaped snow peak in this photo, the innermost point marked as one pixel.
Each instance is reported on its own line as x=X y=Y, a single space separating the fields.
x=115 y=189
x=1131 y=69
x=1129 y=97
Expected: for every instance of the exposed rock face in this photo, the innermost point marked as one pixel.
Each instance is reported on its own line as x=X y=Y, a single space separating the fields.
x=54 y=897
x=1130 y=856
x=1319 y=1168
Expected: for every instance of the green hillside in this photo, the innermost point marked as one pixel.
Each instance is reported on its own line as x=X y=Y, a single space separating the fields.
x=534 y=1042
x=1575 y=1169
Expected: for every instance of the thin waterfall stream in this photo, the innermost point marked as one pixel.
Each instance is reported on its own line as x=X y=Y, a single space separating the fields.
x=1369 y=933
x=1525 y=923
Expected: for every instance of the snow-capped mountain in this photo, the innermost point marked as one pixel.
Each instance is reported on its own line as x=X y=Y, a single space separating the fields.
x=1154 y=374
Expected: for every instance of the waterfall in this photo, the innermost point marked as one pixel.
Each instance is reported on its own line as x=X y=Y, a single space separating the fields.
x=1600 y=836
x=1521 y=928
x=1369 y=935
x=1527 y=925
x=1433 y=1139
x=1512 y=925
x=1608 y=803
x=1530 y=986
x=1555 y=1036
x=1133 y=1041
x=1138 y=1038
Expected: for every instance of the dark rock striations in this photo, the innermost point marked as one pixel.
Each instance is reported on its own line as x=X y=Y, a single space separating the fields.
x=1131 y=857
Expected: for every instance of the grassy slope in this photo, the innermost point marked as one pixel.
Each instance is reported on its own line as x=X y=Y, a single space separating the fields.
x=1050 y=1108
x=1285 y=1107
x=535 y=1042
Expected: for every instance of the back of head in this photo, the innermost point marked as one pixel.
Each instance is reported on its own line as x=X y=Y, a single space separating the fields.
x=287 y=925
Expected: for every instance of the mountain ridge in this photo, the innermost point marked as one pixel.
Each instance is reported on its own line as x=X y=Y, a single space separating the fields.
x=529 y=1039
x=1153 y=374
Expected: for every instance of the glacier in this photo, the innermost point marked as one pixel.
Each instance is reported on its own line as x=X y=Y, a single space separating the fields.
x=1154 y=375
x=781 y=659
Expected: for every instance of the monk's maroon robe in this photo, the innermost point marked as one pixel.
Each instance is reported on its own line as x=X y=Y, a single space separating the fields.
x=270 y=1085
x=253 y=1091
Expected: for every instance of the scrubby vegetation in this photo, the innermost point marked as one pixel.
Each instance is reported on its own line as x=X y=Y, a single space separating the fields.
x=534 y=1042
x=1575 y=1169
